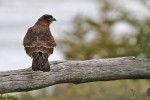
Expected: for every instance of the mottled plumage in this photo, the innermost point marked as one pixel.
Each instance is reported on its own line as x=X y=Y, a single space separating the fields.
x=39 y=43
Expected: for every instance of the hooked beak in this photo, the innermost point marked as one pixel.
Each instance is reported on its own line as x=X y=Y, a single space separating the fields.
x=53 y=19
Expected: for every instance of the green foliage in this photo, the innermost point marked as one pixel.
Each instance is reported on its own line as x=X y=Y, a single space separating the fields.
x=8 y=97
x=144 y=39
x=92 y=38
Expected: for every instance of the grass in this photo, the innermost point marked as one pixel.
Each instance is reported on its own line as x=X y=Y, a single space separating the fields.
x=8 y=97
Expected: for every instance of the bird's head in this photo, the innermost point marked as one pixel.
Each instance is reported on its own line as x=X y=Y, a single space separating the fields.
x=46 y=19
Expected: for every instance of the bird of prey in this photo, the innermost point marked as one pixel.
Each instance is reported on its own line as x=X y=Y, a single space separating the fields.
x=39 y=43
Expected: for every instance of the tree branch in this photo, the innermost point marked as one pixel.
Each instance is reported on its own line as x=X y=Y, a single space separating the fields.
x=75 y=72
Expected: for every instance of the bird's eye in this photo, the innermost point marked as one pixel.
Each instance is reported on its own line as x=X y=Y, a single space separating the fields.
x=51 y=17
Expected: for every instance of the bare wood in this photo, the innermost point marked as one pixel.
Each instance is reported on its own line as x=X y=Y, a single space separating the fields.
x=75 y=72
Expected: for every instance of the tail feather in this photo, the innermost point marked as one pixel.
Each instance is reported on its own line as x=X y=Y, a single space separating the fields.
x=47 y=67
x=40 y=61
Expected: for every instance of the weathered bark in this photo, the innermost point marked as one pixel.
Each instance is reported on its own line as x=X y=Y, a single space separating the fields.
x=75 y=72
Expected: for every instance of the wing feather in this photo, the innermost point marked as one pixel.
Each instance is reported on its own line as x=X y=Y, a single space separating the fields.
x=38 y=41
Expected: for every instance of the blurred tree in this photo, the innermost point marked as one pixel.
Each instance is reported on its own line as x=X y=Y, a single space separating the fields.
x=90 y=38
x=144 y=38
x=94 y=38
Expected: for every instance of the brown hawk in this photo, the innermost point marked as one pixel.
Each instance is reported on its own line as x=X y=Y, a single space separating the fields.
x=39 y=43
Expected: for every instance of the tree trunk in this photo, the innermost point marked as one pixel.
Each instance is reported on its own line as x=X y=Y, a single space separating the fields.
x=75 y=72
